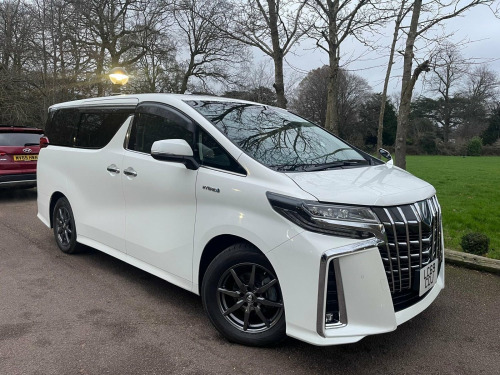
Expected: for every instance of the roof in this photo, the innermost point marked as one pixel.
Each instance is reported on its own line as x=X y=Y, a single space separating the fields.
x=134 y=99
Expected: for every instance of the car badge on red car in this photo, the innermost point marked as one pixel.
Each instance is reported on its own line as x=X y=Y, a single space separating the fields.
x=27 y=150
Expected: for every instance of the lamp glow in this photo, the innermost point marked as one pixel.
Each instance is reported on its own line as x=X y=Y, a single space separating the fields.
x=118 y=76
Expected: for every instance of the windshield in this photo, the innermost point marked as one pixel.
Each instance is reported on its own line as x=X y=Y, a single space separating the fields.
x=19 y=139
x=277 y=138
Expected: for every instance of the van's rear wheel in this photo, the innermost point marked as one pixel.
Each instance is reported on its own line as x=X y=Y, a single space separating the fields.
x=64 y=226
x=242 y=297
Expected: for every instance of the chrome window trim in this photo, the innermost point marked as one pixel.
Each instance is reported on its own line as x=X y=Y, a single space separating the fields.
x=223 y=170
x=326 y=258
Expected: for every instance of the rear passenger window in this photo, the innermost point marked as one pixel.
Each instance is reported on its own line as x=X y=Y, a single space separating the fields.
x=62 y=127
x=149 y=128
x=72 y=127
x=97 y=129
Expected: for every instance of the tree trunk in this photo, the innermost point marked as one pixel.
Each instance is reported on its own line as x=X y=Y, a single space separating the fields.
x=99 y=72
x=279 y=85
x=187 y=74
x=332 y=111
x=407 y=84
x=380 y=130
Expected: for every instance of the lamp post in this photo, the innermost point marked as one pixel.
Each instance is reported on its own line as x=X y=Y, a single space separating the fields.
x=118 y=77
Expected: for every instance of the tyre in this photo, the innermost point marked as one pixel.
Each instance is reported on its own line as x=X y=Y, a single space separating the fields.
x=242 y=297
x=64 y=226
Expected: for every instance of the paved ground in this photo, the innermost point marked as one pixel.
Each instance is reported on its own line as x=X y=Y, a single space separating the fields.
x=92 y=314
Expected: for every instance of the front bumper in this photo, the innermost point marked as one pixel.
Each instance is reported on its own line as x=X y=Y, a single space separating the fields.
x=366 y=306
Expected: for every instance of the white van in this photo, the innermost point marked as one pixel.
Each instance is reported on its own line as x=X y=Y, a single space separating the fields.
x=281 y=227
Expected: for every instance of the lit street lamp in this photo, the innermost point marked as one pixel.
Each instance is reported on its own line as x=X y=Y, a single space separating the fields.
x=118 y=77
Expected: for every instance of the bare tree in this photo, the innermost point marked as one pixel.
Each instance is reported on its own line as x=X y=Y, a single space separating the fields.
x=115 y=32
x=449 y=69
x=482 y=84
x=481 y=94
x=272 y=26
x=423 y=18
x=211 y=54
x=336 y=21
x=402 y=12
x=352 y=91
x=158 y=70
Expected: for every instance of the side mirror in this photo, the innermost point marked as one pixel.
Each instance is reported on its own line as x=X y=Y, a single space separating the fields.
x=386 y=154
x=174 y=150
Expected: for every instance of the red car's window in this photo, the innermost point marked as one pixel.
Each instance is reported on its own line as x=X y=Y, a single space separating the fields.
x=19 y=139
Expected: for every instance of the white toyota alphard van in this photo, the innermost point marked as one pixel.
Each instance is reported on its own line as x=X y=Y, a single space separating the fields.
x=282 y=228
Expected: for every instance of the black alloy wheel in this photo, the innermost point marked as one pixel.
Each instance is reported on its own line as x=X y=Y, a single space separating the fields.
x=242 y=297
x=64 y=226
x=249 y=298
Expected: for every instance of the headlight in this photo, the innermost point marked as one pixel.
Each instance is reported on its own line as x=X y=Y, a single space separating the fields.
x=332 y=219
x=345 y=213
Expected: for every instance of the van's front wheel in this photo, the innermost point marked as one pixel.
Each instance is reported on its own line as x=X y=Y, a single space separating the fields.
x=64 y=226
x=242 y=297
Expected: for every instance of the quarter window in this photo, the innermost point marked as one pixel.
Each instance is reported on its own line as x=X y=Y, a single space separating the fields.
x=62 y=130
x=97 y=129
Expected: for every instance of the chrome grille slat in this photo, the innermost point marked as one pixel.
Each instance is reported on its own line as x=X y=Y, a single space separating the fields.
x=434 y=231
x=413 y=240
x=395 y=233
x=414 y=208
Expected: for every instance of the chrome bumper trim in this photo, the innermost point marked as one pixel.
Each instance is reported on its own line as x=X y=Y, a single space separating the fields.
x=326 y=258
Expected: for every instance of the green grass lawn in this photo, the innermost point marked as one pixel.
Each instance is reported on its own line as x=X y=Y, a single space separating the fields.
x=468 y=190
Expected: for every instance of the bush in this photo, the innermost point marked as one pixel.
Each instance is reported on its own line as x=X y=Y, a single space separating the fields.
x=493 y=150
x=475 y=243
x=474 y=146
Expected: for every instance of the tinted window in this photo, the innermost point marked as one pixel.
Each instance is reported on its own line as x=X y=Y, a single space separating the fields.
x=211 y=154
x=274 y=137
x=149 y=128
x=96 y=129
x=19 y=139
x=62 y=127
x=83 y=128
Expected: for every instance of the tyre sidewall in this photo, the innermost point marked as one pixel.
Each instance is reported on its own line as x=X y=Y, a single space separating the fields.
x=71 y=247
x=236 y=254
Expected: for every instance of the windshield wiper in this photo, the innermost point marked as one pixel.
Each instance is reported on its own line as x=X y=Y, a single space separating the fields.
x=336 y=164
x=31 y=144
x=289 y=167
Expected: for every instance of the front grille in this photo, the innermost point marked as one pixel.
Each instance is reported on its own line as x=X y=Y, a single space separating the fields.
x=413 y=240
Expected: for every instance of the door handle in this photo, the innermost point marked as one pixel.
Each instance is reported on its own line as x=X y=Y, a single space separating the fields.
x=130 y=172
x=113 y=169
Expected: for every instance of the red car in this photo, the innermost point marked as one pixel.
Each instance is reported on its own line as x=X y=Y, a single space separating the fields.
x=19 y=148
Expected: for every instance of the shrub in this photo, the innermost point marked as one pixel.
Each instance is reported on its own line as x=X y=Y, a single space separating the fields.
x=475 y=243
x=474 y=146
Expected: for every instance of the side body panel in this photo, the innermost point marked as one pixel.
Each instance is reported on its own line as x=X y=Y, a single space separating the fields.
x=160 y=213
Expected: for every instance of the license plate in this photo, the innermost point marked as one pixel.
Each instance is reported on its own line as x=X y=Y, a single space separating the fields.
x=428 y=277
x=25 y=157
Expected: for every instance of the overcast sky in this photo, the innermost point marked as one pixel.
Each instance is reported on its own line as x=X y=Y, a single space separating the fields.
x=478 y=26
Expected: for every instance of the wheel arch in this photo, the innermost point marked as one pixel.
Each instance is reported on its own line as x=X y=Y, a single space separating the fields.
x=216 y=246
x=53 y=200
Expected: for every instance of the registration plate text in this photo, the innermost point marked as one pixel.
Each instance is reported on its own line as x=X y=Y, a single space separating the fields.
x=25 y=157
x=428 y=277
